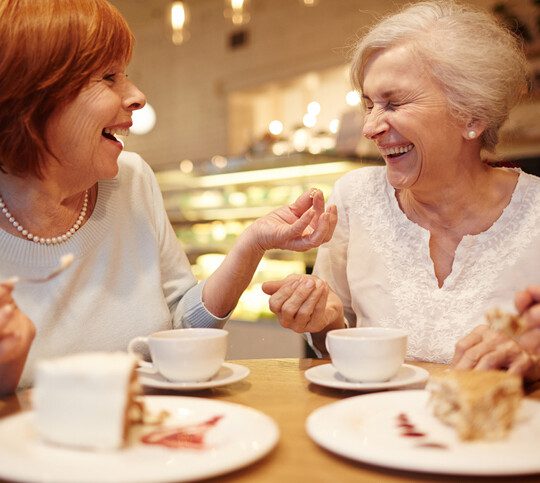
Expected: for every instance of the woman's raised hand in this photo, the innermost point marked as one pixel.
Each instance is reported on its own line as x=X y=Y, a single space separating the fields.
x=304 y=303
x=16 y=335
x=303 y=225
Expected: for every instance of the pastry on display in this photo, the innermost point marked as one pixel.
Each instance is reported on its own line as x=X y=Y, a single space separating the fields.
x=480 y=405
x=87 y=400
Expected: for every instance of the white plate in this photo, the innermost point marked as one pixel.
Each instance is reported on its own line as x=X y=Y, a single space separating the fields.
x=228 y=374
x=241 y=437
x=327 y=375
x=364 y=428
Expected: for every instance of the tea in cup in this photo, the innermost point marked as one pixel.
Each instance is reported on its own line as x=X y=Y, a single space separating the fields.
x=183 y=355
x=367 y=354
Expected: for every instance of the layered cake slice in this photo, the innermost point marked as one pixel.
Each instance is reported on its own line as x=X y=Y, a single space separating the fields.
x=511 y=324
x=87 y=400
x=478 y=404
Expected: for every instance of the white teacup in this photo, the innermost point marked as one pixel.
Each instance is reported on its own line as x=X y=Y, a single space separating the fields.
x=367 y=354
x=184 y=355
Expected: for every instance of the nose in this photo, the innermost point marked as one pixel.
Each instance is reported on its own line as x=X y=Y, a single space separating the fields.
x=134 y=99
x=375 y=123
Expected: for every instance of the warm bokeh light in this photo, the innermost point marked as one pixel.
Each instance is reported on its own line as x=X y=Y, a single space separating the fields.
x=186 y=166
x=309 y=120
x=352 y=98
x=314 y=108
x=300 y=139
x=179 y=20
x=275 y=127
x=178 y=15
x=143 y=119
x=334 y=126
x=219 y=161
x=279 y=149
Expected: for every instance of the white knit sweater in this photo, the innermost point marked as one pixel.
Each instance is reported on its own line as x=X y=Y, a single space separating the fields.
x=130 y=276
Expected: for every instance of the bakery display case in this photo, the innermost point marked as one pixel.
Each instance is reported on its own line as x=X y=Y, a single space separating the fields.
x=211 y=205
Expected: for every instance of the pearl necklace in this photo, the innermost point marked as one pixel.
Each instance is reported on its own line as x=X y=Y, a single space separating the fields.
x=46 y=241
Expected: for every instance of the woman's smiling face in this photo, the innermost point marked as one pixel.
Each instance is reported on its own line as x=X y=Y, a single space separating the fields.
x=81 y=134
x=408 y=117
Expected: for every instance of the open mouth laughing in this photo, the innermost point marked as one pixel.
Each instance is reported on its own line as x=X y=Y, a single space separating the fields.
x=395 y=152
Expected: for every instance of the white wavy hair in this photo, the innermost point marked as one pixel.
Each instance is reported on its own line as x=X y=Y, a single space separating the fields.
x=478 y=63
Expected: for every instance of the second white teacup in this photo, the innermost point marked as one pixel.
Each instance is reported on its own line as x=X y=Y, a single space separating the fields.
x=184 y=355
x=367 y=354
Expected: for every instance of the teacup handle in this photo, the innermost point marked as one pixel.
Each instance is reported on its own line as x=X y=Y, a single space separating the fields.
x=326 y=344
x=132 y=349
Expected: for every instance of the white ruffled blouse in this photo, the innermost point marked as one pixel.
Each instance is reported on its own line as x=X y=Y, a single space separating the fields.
x=378 y=263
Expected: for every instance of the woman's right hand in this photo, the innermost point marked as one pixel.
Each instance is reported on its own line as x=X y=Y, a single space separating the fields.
x=305 y=303
x=16 y=335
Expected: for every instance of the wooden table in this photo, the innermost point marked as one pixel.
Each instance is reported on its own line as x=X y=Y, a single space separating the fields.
x=278 y=388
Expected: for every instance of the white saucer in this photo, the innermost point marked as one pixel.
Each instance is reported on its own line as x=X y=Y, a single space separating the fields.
x=228 y=374
x=327 y=375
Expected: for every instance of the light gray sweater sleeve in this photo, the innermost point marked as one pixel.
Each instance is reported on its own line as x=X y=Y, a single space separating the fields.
x=182 y=292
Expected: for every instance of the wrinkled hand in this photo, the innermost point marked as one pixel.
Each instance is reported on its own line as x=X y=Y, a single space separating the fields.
x=485 y=348
x=16 y=330
x=301 y=303
x=528 y=307
x=300 y=226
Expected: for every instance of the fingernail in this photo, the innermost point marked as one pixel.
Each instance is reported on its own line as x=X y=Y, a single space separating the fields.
x=313 y=192
x=309 y=283
x=11 y=281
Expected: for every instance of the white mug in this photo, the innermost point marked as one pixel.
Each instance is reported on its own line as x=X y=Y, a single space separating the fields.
x=367 y=354
x=183 y=355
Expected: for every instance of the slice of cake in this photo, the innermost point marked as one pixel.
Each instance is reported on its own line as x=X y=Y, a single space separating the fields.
x=510 y=324
x=478 y=404
x=87 y=400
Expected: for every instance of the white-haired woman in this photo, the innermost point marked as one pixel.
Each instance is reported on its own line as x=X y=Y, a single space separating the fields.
x=434 y=239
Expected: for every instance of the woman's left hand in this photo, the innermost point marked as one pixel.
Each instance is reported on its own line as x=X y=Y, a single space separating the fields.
x=303 y=225
x=485 y=348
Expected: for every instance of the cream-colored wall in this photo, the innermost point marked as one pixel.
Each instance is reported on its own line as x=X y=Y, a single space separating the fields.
x=188 y=85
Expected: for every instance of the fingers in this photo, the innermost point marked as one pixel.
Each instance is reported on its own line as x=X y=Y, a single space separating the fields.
x=523 y=300
x=6 y=312
x=306 y=200
x=323 y=232
x=500 y=356
x=16 y=333
x=297 y=304
x=272 y=286
x=485 y=349
x=301 y=313
x=528 y=305
x=6 y=290
x=522 y=364
x=467 y=342
x=327 y=223
x=318 y=319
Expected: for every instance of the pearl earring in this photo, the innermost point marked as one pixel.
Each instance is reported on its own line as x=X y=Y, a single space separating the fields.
x=471 y=134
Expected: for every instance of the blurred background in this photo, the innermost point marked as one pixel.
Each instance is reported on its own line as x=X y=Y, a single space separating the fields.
x=250 y=104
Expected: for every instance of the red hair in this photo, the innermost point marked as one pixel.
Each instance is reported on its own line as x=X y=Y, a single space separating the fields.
x=50 y=50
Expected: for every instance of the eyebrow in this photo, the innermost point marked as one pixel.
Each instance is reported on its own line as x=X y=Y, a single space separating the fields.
x=385 y=94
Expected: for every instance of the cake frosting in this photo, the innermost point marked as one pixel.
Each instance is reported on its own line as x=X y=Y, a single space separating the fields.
x=86 y=400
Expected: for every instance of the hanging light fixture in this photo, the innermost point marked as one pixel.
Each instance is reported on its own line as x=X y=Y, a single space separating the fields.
x=179 y=18
x=309 y=3
x=237 y=11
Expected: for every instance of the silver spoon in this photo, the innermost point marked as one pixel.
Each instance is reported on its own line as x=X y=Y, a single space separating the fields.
x=65 y=262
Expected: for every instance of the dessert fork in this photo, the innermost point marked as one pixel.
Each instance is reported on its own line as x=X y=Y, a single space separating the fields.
x=65 y=262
